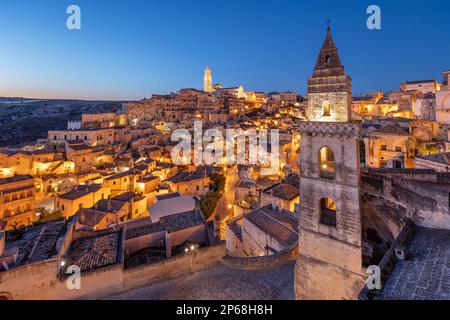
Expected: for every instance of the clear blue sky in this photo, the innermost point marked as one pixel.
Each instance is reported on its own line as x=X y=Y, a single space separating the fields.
x=129 y=49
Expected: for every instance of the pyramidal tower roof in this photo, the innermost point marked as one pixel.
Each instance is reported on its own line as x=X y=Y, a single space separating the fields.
x=328 y=62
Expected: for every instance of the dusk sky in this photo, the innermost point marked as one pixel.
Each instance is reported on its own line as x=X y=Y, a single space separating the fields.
x=131 y=49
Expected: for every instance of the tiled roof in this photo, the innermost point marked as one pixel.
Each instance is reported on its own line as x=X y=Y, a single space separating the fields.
x=442 y=158
x=283 y=191
x=80 y=191
x=175 y=222
x=184 y=220
x=119 y=175
x=128 y=196
x=393 y=129
x=277 y=224
x=37 y=243
x=95 y=251
x=16 y=178
x=200 y=173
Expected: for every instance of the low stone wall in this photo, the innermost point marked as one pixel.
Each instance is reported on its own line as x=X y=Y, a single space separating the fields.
x=261 y=263
x=174 y=267
x=40 y=280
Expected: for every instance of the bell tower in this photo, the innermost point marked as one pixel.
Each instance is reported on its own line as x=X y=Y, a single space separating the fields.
x=207 y=80
x=329 y=88
x=330 y=246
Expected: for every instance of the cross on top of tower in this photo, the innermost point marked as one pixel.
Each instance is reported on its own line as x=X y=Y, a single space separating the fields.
x=328 y=22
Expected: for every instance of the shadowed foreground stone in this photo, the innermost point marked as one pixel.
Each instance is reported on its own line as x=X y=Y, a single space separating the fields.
x=222 y=283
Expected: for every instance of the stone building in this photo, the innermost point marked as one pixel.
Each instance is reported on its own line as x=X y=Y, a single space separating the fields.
x=17 y=201
x=390 y=147
x=330 y=261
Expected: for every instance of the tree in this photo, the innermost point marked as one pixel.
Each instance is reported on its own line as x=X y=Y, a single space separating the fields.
x=218 y=182
x=208 y=203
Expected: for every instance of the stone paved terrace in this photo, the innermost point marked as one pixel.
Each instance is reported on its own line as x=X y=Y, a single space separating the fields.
x=222 y=283
x=426 y=275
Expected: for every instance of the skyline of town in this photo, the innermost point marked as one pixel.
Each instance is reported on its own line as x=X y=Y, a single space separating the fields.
x=218 y=191
x=130 y=52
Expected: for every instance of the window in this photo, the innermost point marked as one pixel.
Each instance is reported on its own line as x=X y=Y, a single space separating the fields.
x=383 y=147
x=62 y=207
x=80 y=206
x=398 y=149
x=328 y=60
x=326 y=109
x=328 y=212
x=326 y=163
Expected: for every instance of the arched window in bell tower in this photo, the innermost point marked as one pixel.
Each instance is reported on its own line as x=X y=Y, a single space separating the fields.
x=326 y=163
x=328 y=212
x=326 y=109
x=328 y=60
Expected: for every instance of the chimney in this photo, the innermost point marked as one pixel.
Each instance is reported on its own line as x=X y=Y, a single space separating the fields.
x=274 y=204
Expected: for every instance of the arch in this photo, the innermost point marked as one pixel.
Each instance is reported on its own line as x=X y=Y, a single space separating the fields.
x=328 y=212
x=5 y=296
x=326 y=109
x=445 y=103
x=328 y=60
x=326 y=163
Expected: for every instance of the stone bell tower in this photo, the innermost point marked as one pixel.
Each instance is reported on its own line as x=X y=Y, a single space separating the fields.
x=330 y=261
x=207 y=80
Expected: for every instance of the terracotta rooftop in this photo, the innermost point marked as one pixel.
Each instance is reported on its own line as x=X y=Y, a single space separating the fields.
x=283 y=191
x=282 y=226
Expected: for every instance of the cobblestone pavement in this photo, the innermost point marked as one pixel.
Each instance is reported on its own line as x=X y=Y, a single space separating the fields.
x=426 y=275
x=222 y=283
